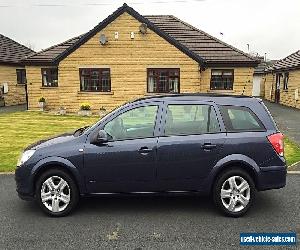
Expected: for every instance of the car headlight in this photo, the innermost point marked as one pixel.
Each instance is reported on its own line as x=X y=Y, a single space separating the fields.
x=25 y=156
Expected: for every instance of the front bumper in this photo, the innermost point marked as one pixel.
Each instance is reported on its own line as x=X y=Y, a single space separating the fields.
x=272 y=177
x=24 y=187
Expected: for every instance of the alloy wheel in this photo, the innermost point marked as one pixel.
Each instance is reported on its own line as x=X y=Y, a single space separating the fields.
x=235 y=193
x=55 y=194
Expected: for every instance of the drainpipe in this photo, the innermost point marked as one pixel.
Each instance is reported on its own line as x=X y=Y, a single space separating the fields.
x=26 y=96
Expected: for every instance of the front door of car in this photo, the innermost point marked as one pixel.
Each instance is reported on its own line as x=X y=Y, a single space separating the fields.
x=127 y=162
x=190 y=145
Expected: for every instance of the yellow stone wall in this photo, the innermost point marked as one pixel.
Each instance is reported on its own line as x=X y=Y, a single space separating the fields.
x=128 y=60
x=243 y=81
x=287 y=97
x=16 y=92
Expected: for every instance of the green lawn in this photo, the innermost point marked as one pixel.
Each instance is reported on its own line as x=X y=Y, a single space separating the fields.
x=18 y=130
x=292 y=151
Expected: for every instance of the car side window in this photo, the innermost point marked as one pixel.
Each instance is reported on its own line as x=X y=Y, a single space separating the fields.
x=238 y=118
x=188 y=119
x=135 y=123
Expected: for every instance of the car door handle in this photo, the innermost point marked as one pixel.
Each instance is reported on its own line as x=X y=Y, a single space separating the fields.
x=208 y=146
x=145 y=150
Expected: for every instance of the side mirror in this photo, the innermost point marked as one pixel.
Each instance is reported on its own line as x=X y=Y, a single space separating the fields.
x=100 y=137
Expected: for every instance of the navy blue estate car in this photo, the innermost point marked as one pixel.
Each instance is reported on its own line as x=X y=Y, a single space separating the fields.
x=226 y=146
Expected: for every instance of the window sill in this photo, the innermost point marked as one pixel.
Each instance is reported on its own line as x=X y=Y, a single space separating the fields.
x=94 y=93
x=159 y=94
x=221 y=91
x=20 y=85
x=48 y=87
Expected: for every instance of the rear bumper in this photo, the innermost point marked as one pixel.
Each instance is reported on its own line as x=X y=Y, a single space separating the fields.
x=272 y=177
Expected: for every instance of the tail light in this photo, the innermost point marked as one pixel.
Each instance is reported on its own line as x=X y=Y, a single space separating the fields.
x=277 y=142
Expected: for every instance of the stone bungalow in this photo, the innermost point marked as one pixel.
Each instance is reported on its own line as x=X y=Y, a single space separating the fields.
x=12 y=72
x=127 y=56
x=282 y=84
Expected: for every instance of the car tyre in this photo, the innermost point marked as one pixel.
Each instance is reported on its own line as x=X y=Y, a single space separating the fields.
x=56 y=193
x=234 y=192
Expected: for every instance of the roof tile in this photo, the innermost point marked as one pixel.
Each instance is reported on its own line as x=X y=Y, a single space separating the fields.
x=290 y=62
x=11 y=51
x=205 y=45
x=201 y=44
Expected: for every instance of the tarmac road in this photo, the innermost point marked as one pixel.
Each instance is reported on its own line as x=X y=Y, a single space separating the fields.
x=188 y=222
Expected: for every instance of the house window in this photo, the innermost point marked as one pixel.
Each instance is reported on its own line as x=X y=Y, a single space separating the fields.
x=21 y=76
x=95 y=80
x=50 y=77
x=285 y=81
x=163 y=80
x=221 y=79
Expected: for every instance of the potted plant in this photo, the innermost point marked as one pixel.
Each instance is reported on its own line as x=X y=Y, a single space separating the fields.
x=42 y=103
x=85 y=109
x=62 y=111
x=102 y=111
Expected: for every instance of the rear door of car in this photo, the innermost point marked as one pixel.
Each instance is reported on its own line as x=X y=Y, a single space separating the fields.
x=248 y=126
x=191 y=139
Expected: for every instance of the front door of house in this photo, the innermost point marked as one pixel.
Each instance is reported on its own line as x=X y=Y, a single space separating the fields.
x=256 y=85
x=1 y=97
x=277 y=88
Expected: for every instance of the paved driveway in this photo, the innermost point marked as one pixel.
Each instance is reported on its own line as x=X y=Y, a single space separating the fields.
x=143 y=222
x=287 y=119
x=14 y=108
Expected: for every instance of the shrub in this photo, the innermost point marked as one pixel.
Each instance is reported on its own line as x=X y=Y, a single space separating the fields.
x=85 y=106
x=42 y=99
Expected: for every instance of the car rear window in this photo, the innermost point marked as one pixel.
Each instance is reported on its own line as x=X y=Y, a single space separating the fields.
x=237 y=118
x=188 y=119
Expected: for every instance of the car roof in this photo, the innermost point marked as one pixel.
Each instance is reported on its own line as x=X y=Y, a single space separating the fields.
x=217 y=98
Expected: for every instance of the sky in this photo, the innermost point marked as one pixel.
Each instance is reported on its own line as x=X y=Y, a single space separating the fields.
x=268 y=26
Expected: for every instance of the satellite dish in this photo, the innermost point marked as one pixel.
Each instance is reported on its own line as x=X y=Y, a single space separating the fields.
x=103 y=39
x=143 y=28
